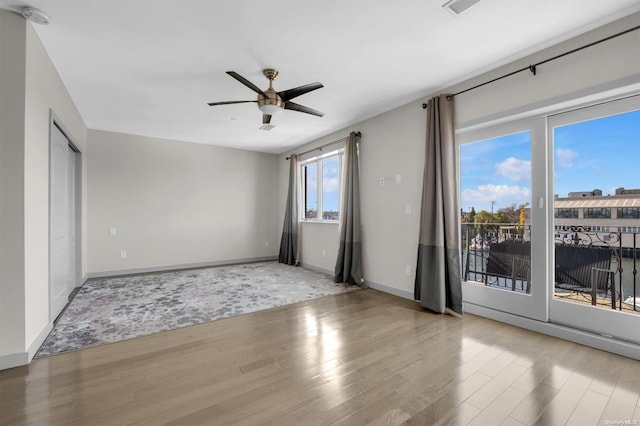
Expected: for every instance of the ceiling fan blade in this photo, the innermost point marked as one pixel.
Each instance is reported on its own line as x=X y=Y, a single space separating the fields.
x=287 y=95
x=246 y=82
x=266 y=119
x=228 y=103
x=301 y=108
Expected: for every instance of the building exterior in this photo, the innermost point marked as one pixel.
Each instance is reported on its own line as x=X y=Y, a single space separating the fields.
x=607 y=219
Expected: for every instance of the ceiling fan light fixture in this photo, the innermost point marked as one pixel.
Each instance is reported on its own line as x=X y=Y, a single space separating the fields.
x=270 y=109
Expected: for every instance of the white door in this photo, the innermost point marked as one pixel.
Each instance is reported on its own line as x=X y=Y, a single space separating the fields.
x=62 y=223
x=503 y=200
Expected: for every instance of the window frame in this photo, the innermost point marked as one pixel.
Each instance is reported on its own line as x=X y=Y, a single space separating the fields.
x=566 y=213
x=318 y=160
x=628 y=213
x=596 y=212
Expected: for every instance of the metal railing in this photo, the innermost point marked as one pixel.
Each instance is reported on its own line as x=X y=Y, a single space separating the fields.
x=498 y=255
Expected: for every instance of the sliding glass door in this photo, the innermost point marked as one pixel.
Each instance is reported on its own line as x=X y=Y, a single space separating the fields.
x=550 y=213
x=596 y=218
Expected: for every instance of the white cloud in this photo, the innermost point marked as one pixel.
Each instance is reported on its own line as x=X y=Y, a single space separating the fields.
x=503 y=195
x=330 y=184
x=515 y=169
x=565 y=157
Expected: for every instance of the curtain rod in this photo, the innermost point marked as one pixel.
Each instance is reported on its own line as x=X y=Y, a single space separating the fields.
x=533 y=68
x=319 y=148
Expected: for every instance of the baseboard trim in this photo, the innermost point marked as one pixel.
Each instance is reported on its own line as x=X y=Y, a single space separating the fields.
x=24 y=358
x=618 y=347
x=163 y=268
x=39 y=340
x=14 y=360
x=387 y=289
x=316 y=269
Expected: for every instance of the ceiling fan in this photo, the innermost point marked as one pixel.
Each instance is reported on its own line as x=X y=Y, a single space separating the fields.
x=271 y=102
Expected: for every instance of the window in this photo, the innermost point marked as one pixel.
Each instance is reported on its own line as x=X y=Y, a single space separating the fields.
x=495 y=182
x=597 y=213
x=629 y=229
x=567 y=213
x=628 y=212
x=321 y=177
x=595 y=228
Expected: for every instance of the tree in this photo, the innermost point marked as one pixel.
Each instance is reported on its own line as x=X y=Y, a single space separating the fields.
x=521 y=219
x=521 y=216
x=509 y=214
x=484 y=217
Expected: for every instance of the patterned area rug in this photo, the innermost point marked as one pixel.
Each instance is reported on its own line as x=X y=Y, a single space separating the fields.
x=109 y=310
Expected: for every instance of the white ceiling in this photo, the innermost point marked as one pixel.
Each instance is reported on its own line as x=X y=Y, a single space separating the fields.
x=149 y=67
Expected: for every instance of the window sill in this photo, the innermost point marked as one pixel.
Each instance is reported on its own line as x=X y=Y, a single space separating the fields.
x=335 y=222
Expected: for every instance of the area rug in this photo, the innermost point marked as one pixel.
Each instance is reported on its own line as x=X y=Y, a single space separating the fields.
x=109 y=310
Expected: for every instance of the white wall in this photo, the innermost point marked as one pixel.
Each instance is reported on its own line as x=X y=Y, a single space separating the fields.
x=29 y=89
x=12 y=86
x=44 y=92
x=393 y=143
x=592 y=70
x=177 y=204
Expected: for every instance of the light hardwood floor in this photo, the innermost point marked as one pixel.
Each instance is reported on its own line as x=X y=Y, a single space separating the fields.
x=360 y=358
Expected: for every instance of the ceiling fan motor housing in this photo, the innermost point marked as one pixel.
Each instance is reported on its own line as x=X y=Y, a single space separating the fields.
x=270 y=104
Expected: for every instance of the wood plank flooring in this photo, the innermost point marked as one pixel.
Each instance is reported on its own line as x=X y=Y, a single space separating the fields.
x=351 y=359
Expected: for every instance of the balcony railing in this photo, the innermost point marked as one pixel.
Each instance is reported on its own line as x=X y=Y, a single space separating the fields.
x=599 y=265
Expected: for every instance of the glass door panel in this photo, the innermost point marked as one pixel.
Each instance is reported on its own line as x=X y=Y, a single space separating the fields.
x=497 y=187
x=596 y=218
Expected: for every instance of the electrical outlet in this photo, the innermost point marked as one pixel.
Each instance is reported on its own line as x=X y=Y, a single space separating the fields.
x=113 y=232
x=407 y=270
x=123 y=254
x=398 y=178
x=381 y=181
x=407 y=209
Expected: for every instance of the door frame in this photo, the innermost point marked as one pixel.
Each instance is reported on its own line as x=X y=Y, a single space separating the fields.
x=54 y=120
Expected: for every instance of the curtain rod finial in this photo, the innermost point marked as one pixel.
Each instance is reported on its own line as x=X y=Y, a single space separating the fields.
x=424 y=106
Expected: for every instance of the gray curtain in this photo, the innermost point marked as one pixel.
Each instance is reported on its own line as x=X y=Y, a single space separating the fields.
x=289 y=244
x=438 y=286
x=349 y=263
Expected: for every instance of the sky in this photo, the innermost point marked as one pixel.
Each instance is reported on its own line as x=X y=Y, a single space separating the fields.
x=597 y=154
x=330 y=184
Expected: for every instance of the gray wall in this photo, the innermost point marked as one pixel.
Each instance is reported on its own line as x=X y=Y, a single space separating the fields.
x=29 y=89
x=177 y=204
x=12 y=83
x=393 y=143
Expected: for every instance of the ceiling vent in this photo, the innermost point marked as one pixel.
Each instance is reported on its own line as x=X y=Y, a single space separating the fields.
x=266 y=127
x=458 y=6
